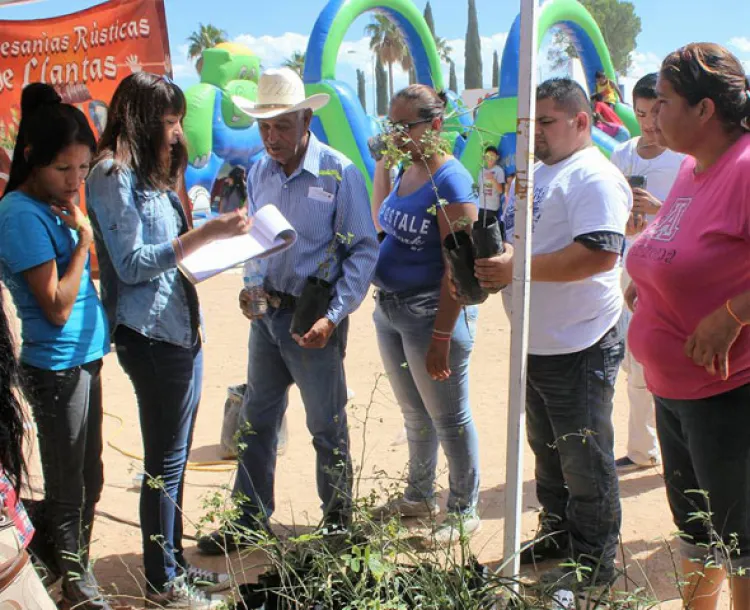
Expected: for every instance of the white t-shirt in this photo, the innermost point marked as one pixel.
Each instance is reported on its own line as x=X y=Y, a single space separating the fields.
x=490 y=199
x=660 y=172
x=582 y=194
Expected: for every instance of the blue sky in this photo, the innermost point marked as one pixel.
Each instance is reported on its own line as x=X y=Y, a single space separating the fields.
x=275 y=29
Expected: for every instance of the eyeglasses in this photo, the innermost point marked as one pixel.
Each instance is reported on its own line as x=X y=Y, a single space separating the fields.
x=404 y=126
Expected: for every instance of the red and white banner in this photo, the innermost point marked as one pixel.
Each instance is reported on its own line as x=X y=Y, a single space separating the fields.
x=83 y=55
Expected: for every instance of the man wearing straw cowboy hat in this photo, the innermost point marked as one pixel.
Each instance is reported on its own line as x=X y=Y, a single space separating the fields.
x=324 y=197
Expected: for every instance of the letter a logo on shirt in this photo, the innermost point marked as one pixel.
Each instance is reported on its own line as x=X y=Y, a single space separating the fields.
x=668 y=226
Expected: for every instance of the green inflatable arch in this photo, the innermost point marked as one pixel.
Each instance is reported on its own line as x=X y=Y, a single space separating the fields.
x=497 y=116
x=343 y=123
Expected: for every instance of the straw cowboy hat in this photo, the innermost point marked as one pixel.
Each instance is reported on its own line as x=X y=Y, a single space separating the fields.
x=280 y=92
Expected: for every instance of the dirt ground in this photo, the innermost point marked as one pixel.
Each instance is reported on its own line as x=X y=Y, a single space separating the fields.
x=646 y=531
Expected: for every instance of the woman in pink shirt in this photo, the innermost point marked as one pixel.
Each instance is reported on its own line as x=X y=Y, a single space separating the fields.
x=691 y=302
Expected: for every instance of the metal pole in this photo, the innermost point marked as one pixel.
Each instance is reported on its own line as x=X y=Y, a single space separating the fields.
x=524 y=185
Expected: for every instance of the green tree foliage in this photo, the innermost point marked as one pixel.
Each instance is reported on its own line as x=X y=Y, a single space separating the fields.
x=473 y=52
x=296 y=62
x=452 y=79
x=205 y=37
x=381 y=88
x=429 y=18
x=388 y=44
x=495 y=70
x=620 y=26
x=361 y=89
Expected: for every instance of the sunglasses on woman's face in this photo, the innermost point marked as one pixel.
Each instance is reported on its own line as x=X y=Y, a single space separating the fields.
x=403 y=126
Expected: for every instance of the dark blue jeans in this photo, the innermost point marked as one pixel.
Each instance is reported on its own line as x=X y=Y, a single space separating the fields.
x=706 y=447
x=67 y=408
x=167 y=380
x=275 y=362
x=569 y=426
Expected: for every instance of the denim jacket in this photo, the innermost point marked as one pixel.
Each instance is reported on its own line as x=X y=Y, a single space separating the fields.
x=134 y=228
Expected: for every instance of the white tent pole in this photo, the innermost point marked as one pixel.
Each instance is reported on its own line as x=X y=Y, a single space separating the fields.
x=524 y=185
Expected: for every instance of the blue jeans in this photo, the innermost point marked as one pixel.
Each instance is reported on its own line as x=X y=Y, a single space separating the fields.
x=275 y=362
x=435 y=412
x=569 y=427
x=705 y=446
x=167 y=380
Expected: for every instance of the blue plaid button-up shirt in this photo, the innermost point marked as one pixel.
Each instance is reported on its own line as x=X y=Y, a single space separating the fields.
x=327 y=203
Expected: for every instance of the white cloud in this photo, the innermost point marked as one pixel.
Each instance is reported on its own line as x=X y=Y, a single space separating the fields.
x=273 y=50
x=740 y=42
x=182 y=67
x=353 y=55
x=644 y=63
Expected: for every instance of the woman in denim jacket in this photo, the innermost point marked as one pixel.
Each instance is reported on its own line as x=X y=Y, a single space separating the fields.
x=142 y=232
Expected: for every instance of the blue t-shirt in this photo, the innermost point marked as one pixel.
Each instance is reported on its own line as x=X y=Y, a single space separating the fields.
x=30 y=234
x=411 y=255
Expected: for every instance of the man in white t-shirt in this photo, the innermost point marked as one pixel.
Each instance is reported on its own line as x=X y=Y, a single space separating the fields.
x=643 y=160
x=576 y=343
x=491 y=184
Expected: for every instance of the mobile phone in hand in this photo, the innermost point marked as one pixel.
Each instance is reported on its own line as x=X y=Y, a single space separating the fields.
x=637 y=182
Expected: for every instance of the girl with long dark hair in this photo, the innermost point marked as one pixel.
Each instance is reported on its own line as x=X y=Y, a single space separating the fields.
x=44 y=260
x=142 y=232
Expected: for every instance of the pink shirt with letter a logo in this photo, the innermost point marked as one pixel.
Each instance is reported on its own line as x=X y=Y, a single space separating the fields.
x=689 y=262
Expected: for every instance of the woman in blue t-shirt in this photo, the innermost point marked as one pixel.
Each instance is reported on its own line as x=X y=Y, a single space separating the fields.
x=425 y=337
x=44 y=261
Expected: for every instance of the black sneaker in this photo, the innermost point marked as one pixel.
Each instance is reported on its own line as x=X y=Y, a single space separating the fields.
x=551 y=541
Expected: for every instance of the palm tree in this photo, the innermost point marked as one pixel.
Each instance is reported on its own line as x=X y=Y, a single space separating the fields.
x=444 y=49
x=296 y=62
x=205 y=37
x=387 y=42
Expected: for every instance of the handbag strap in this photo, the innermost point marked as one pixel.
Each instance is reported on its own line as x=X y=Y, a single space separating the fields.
x=10 y=570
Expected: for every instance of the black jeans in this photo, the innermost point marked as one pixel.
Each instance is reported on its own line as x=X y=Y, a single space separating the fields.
x=569 y=427
x=67 y=408
x=705 y=446
x=167 y=380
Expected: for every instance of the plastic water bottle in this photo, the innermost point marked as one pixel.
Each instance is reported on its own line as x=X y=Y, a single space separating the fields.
x=253 y=275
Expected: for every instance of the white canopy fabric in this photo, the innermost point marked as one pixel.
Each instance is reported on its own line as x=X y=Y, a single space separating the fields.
x=16 y=2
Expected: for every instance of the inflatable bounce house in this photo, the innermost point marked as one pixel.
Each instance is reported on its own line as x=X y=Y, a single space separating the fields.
x=497 y=115
x=221 y=137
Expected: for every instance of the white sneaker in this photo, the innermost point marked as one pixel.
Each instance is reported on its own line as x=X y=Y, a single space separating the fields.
x=456 y=528
x=179 y=594
x=350 y=394
x=405 y=508
x=207 y=580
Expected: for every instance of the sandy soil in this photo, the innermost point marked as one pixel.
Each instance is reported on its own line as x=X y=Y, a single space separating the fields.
x=646 y=531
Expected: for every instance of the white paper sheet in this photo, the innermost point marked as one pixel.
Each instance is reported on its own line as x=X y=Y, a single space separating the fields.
x=270 y=233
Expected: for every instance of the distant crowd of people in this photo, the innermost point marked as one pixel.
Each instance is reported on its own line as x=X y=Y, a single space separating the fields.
x=673 y=204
